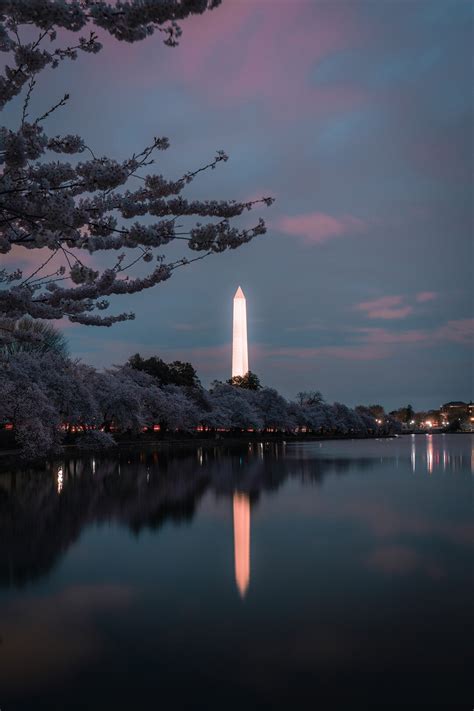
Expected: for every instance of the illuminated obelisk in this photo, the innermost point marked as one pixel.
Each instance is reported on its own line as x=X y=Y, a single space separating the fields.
x=242 y=541
x=240 y=358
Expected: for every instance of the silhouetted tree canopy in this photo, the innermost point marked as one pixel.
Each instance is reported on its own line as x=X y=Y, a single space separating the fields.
x=175 y=373
x=376 y=411
x=309 y=397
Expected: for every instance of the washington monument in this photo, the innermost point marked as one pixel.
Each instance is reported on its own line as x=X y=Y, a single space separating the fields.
x=240 y=358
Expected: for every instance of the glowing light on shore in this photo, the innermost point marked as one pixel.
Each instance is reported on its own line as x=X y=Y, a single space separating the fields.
x=242 y=542
x=240 y=358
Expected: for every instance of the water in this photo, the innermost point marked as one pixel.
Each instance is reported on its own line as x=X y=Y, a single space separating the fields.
x=316 y=575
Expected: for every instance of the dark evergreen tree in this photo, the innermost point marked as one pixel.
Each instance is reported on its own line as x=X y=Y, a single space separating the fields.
x=249 y=381
x=175 y=373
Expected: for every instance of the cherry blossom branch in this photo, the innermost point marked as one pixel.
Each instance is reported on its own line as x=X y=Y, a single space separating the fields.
x=25 y=281
x=60 y=103
x=63 y=206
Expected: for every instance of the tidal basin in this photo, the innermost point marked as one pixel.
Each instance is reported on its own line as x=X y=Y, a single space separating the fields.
x=261 y=575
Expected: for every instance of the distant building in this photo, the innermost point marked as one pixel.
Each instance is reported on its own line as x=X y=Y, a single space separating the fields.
x=468 y=424
x=454 y=410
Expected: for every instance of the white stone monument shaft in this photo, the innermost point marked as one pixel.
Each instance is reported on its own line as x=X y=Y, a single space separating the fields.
x=240 y=358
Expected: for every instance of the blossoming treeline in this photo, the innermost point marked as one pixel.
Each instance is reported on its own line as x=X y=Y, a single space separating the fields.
x=44 y=395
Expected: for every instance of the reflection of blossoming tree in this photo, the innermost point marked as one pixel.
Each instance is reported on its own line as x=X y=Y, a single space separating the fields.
x=90 y=206
x=149 y=491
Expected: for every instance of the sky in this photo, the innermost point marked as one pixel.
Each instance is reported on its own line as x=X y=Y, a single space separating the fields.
x=357 y=118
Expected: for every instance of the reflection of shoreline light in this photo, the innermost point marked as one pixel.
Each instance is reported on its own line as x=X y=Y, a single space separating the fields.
x=445 y=460
x=413 y=454
x=59 y=480
x=242 y=541
x=429 y=454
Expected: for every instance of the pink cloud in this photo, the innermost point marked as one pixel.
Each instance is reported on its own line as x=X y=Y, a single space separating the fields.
x=423 y=296
x=28 y=260
x=439 y=155
x=190 y=327
x=383 y=336
x=317 y=227
x=388 y=314
x=208 y=360
x=368 y=351
x=368 y=344
x=25 y=259
x=371 y=344
x=459 y=331
x=64 y=323
x=387 y=307
x=247 y=50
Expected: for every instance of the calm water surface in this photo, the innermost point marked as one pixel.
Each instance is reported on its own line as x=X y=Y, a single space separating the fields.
x=316 y=575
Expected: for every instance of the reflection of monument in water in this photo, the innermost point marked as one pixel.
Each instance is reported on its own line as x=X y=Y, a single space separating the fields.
x=242 y=541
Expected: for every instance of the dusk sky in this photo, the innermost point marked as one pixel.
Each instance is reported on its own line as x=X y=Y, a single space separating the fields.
x=357 y=117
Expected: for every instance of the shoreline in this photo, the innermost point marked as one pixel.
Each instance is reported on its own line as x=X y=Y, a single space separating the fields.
x=181 y=442
x=9 y=456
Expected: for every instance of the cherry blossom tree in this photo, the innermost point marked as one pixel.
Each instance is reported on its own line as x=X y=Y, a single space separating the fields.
x=122 y=399
x=27 y=404
x=65 y=209
x=366 y=418
x=182 y=413
x=235 y=407
x=273 y=410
